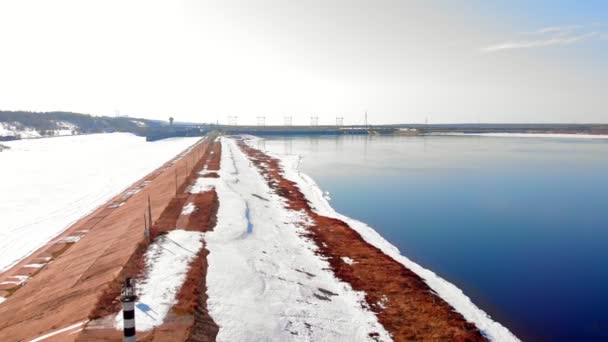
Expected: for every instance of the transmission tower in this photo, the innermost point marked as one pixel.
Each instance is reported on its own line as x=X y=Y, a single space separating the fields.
x=314 y=121
x=233 y=120
x=287 y=120
x=365 y=118
x=261 y=121
x=339 y=121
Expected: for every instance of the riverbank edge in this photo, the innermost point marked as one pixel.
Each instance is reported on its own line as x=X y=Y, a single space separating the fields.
x=451 y=294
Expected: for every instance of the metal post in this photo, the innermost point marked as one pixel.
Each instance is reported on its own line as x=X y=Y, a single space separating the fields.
x=149 y=213
x=128 y=310
x=146 y=228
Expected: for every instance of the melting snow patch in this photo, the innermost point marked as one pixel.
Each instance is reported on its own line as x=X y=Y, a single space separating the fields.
x=383 y=302
x=2 y=299
x=20 y=280
x=34 y=265
x=116 y=205
x=188 y=209
x=203 y=184
x=167 y=261
x=348 y=260
x=70 y=239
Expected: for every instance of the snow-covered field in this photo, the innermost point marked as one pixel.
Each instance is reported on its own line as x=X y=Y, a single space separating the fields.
x=264 y=281
x=47 y=184
x=449 y=292
x=528 y=135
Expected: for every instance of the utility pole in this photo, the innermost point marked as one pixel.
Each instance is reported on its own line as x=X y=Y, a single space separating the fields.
x=287 y=120
x=339 y=120
x=365 y=119
x=261 y=121
x=175 y=170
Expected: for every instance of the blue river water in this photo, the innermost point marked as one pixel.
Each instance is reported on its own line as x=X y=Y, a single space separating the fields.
x=519 y=224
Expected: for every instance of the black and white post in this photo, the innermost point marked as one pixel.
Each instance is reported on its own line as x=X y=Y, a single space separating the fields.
x=128 y=310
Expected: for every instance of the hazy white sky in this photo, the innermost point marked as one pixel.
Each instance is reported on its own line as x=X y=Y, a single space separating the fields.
x=402 y=61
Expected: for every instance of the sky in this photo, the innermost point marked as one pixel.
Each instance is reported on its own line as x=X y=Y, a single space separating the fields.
x=439 y=61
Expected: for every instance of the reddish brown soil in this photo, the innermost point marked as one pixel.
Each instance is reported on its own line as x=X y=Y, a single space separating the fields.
x=84 y=274
x=190 y=311
x=402 y=301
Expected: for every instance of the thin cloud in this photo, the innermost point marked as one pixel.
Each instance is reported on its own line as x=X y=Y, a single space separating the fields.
x=547 y=36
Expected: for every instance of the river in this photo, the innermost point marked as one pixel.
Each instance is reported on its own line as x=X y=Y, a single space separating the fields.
x=519 y=224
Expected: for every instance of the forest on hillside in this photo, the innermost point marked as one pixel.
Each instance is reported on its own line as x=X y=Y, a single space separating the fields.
x=47 y=123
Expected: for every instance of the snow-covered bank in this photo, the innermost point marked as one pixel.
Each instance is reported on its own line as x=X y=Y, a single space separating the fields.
x=526 y=135
x=167 y=262
x=450 y=293
x=264 y=281
x=47 y=184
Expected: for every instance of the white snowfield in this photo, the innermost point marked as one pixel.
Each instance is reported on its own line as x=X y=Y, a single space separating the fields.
x=449 y=292
x=167 y=262
x=264 y=281
x=48 y=184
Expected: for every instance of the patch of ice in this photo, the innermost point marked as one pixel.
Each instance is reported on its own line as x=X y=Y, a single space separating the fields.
x=34 y=265
x=167 y=260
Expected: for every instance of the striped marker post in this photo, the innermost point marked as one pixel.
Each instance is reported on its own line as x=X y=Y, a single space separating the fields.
x=128 y=310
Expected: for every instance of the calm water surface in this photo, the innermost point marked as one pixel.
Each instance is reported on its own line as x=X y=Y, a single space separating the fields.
x=520 y=224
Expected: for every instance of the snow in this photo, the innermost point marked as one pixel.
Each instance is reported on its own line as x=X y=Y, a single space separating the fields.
x=449 y=292
x=188 y=209
x=528 y=135
x=203 y=184
x=2 y=299
x=15 y=129
x=167 y=261
x=19 y=280
x=7 y=130
x=264 y=281
x=48 y=184
x=139 y=123
x=348 y=260
x=66 y=128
